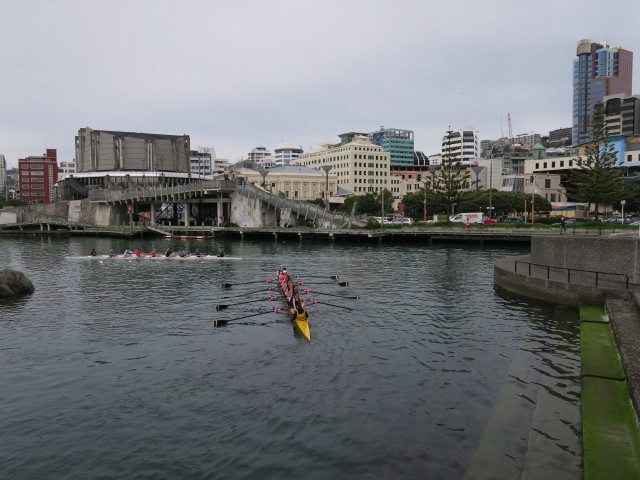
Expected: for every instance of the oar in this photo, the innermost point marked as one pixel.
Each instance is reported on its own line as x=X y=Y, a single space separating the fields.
x=251 y=293
x=329 y=294
x=219 y=323
x=229 y=285
x=341 y=284
x=333 y=277
x=331 y=304
x=223 y=307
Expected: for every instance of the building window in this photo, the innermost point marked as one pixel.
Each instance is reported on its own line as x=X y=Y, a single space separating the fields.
x=547 y=183
x=628 y=158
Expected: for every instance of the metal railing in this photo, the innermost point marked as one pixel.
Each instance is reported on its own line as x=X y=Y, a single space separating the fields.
x=569 y=270
x=309 y=211
x=157 y=193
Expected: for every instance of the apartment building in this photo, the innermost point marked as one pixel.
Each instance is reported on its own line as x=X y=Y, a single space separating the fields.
x=360 y=165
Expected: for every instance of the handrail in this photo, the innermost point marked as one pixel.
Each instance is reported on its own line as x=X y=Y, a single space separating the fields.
x=569 y=270
x=303 y=208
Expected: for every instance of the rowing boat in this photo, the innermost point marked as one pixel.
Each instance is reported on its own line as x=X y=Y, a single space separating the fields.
x=299 y=320
x=149 y=257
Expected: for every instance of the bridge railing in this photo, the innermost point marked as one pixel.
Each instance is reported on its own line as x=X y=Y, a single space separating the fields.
x=597 y=274
x=308 y=210
x=145 y=193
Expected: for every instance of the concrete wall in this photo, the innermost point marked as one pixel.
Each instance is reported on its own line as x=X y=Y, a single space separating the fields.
x=548 y=290
x=604 y=254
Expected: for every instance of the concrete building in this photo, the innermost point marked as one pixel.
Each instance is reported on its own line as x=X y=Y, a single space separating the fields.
x=399 y=143
x=37 y=177
x=102 y=150
x=600 y=70
x=465 y=142
x=286 y=152
x=361 y=166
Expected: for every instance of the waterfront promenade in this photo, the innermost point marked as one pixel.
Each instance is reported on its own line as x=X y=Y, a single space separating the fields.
x=422 y=233
x=601 y=276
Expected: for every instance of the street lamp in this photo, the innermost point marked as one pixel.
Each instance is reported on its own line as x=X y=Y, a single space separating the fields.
x=622 y=202
x=326 y=169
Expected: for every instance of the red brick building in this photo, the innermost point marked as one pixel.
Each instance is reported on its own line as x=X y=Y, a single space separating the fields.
x=37 y=177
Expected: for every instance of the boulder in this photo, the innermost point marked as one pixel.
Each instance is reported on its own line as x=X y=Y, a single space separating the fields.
x=13 y=282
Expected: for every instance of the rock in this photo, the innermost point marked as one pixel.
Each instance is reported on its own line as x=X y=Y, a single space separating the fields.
x=13 y=282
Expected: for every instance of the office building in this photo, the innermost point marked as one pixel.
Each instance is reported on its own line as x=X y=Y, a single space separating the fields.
x=361 y=166
x=600 y=70
x=201 y=161
x=37 y=177
x=399 y=144
x=285 y=152
x=560 y=136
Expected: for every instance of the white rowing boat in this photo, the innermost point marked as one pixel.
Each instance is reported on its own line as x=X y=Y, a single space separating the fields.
x=148 y=257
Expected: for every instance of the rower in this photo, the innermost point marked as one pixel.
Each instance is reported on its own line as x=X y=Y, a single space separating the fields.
x=221 y=252
x=93 y=252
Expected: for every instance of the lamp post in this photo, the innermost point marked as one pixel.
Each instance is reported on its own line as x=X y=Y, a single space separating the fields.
x=326 y=169
x=622 y=202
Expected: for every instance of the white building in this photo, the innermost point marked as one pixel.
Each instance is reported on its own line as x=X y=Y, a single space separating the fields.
x=258 y=154
x=201 y=161
x=361 y=166
x=286 y=152
x=465 y=142
x=527 y=139
x=66 y=168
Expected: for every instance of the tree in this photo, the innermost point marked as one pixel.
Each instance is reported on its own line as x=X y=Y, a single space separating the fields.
x=446 y=181
x=599 y=180
x=414 y=205
x=369 y=204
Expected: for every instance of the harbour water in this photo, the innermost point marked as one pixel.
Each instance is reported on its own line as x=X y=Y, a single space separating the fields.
x=113 y=369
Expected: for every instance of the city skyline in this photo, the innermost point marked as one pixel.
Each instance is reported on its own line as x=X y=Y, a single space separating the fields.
x=237 y=76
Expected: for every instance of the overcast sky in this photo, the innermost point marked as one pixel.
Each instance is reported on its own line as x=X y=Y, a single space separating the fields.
x=237 y=74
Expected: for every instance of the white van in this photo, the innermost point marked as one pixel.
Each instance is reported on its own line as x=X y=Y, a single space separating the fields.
x=476 y=217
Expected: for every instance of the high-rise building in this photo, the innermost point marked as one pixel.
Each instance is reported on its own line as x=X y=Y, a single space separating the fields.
x=465 y=142
x=599 y=71
x=4 y=188
x=37 y=177
x=399 y=143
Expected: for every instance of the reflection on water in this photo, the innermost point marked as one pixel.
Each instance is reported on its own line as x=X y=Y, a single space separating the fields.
x=114 y=368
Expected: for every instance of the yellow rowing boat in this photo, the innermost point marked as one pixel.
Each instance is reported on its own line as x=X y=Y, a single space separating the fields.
x=300 y=320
